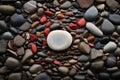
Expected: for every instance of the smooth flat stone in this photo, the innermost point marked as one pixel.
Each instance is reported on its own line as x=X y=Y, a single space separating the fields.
x=63 y=70
x=83 y=58
x=107 y=27
x=3 y=26
x=35 y=68
x=7 y=9
x=89 y=15
x=14 y=76
x=42 y=76
x=30 y=6
x=79 y=77
x=28 y=54
x=94 y=29
x=19 y=40
x=116 y=74
x=84 y=48
x=97 y=65
x=59 y=40
x=114 y=18
x=12 y=63
x=112 y=4
x=85 y=3
x=109 y=47
x=7 y=36
x=3 y=46
x=25 y=26
x=66 y=5
x=17 y=20
x=117 y=51
x=111 y=61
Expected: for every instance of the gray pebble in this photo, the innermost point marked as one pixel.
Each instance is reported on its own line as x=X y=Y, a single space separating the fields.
x=117 y=51
x=79 y=77
x=111 y=61
x=114 y=18
x=107 y=27
x=109 y=47
x=12 y=63
x=35 y=68
x=3 y=46
x=118 y=29
x=89 y=15
x=7 y=36
x=40 y=11
x=66 y=5
x=63 y=70
x=83 y=58
x=42 y=76
x=25 y=26
x=30 y=6
x=15 y=76
x=94 y=29
x=3 y=26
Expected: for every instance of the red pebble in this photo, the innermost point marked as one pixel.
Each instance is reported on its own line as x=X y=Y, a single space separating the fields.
x=34 y=48
x=33 y=37
x=81 y=22
x=43 y=19
x=91 y=45
x=46 y=31
x=44 y=42
x=49 y=13
x=73 y=26
x=48 y=24
x=60 y=16
x=57 y=62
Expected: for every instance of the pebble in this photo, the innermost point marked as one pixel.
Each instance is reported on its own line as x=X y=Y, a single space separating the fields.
x=73 y=26
x=101 y=7
x=89 y=15
x=42 y=54
x=66 y=5
x=40 y=11
x=3 y=26
x=97 y=65
x=110 y=47
x=17 y=20
x=35 y=68
x=100 y=1
x=84 y=48
x=79 y=77
x=63 y=70
x=72 y=72
x=72 y=61
x=114 y=18
x=15 y=76
x=116 y=74
x=7 y=9
x=59 y=43
x=30 y=6
x=34 y=48
x=111 y=61
x=25 y=26
x=48 y=60
x=12 y=63
x=56 y=3
x=117 y=51
x=7 y=36
x=43 y=76
x=20 y=51
x=55 y=26
x=43 y=19
x=94 y=29
x=118 y=29
x=112 y=4
x=28 y=54
x=19 y=40
x=83 y=58
x=85 y=3
x=104 y=76
x=81 y=22
x=3 y=46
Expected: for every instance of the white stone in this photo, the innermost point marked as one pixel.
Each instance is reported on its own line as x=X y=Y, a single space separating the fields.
x=94 y=29
x=59 y=40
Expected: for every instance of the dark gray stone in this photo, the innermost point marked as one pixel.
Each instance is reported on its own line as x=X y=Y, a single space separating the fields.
x=66 y=5
x=42 y=76
x=114 y=18
x=7 y=36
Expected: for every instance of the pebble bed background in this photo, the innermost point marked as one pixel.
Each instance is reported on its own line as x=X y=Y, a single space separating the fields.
x=93 y=55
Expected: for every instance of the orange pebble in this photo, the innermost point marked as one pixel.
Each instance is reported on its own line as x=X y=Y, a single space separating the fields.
x=81 y=22
x=91 y=38
x=60 y=16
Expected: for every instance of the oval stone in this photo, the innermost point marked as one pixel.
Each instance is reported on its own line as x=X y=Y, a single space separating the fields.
x=114 y=18
x=59 y=40
x=93 y=29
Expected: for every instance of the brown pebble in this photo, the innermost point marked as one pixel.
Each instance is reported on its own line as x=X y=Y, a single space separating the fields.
x=35 y=24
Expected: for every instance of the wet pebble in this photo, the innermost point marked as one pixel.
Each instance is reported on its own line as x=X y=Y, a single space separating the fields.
x=89 y=15
x=30 y=6
x=19 y=40
x=12 y=63
x=85 y=3
x=7 y=9
x=84 y=48
x=15 y=76
x=42 y=76
x=104 y=76
x=66 y=5
x=3 y=26
x=63 y=70
x=110 y=47
x=79 y=77
x=35 y=68
x=94 y=29
x=3 y=46
x=7 y=36
x=114 y=18
x=83 y=58
x=111 y=61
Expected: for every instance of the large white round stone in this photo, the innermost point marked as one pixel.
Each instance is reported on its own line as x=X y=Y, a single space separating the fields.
x=59 y=40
